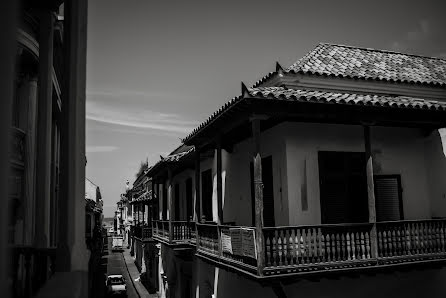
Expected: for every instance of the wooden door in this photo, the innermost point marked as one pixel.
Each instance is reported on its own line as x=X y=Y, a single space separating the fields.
x=343 y=187
x=206 y=193
x=268 y=192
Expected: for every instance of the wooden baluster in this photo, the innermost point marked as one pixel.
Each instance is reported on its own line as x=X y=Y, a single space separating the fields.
x=333 y=247
x=398 y=242
x=292 y=247
x=286 y=247
x=338 y=247
x=358 y=246
x=407 y=239
x=303 y=243
x=385 y=245
x=297 y=247
x=310 y=246
x=316 y=245
x=437 y=237
x=430 y=238
x=416 y=238
x=328 y=247
x=343 y=248
x=279 y=248
x=353 y=243
x=348 y=246
x=362 y=246
x=442 y=237
x=268 y=249
x=380 y=243
x=274 y=247
x=422 y=238
x=367 y=244
x=390 y=242
x=319 y=245
x=322 y=247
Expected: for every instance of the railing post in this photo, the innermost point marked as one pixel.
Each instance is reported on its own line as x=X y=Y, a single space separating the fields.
x=170 y=202
x=258 y=196
x=371 y=193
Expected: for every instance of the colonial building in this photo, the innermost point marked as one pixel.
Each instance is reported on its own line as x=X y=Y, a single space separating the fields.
x=46 y=186
x=327 y=170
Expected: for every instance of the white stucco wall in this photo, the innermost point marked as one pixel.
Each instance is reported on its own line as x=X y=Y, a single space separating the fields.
x=395 y=151
x=236 y=185
x=436 y=173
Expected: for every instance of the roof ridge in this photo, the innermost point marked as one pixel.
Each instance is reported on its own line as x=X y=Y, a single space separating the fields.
x=377 y=50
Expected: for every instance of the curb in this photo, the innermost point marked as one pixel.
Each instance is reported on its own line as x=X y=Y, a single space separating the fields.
x=128 y=271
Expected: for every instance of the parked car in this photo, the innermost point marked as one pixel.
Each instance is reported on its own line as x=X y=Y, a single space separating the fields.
x=116 y=286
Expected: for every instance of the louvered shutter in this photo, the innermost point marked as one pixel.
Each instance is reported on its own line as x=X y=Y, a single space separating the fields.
x=388 y=198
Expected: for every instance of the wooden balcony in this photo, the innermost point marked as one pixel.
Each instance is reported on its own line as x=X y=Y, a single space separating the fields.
x=307 y=250
x=143 y=232
x=174 y=232
x=31 y=268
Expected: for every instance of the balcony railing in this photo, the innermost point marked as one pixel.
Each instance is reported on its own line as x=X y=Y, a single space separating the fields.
x=176 y=232
x=142 y=232
x=318 y=248
x=31 y=268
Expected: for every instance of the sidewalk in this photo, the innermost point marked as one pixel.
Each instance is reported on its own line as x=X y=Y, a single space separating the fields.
x=134 y=274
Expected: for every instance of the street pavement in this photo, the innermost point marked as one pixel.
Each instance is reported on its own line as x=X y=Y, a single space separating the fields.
x=112 y=262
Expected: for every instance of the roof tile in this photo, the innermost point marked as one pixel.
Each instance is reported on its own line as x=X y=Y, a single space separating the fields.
x=353 y=62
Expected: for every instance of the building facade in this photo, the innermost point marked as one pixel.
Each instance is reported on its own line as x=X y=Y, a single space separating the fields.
x=320 y=173
x=46 y=161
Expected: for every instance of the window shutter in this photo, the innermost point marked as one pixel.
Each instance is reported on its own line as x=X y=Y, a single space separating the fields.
x=388 y=198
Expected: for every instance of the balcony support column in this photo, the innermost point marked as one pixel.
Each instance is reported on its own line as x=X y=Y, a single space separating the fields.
x=370 y=192
x=258 y=195
x=219 y=184
x=169 y=202
x=198 y=203
x=72 y=253
x=219 y=194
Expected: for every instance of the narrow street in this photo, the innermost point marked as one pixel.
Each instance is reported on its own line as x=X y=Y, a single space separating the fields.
x=112 y=263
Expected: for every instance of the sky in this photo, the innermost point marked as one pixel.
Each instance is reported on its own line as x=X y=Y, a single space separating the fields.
x=157 y=69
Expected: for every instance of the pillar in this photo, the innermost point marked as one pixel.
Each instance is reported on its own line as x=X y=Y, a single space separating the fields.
x=169 y=202
x=198 y=204
x=219 y=184
x=44 y=128
x=30 y=162
x=72 y=254
x=258 y=195
x=370 y=192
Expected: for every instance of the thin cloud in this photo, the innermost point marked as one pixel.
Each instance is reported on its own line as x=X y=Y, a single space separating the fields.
x=135 y=116
x=96 y=149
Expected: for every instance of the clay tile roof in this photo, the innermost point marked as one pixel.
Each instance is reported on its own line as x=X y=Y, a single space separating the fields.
x=280 y=93
x=364 y=63
x=177 y=156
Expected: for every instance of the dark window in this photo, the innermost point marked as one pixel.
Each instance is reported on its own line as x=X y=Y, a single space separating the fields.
x=268 y=192
x=206 y=193
x=343 y=187
x=189 y=201
x=388 y=197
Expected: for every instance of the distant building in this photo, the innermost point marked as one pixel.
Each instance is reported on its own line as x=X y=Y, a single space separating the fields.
x=327 y=170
